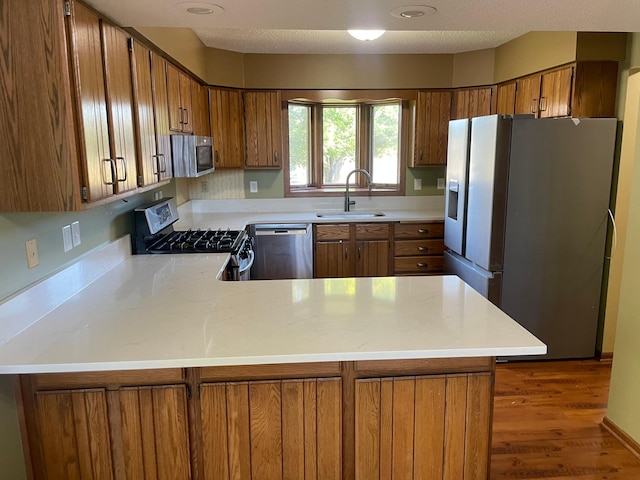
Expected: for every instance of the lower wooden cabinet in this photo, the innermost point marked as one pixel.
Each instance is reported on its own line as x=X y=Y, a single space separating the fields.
x=423 y=428
x=419 y=419
x=137 y=432
x=288 y=429
x=352 y=250
x=418 y=248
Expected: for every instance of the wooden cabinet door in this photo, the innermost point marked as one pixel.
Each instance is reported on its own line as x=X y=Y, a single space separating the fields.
x=433 y=110
x=151 y=428
x=372 y=258
x=471 y=102
x=281 y=429
x=74 y=435
x=161 y=115
x=93 y=129
x=176 y=114
x=200 y=107
x=148 y=161
x=263 y=131
x=423 y=428
x=186 y=85
x=506 y=104
x=555 y=93
x=333 y=259
x=227 y=127
x=528 y=95
x=120 y=106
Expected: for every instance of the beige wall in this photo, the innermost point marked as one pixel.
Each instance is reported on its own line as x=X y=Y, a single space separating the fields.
x=625 y=377
x=347 y=71
x=473 y=68
x=182 y=45
x=533 y=52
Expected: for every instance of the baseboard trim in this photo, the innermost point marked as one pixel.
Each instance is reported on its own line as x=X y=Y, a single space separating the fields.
x=622 y=436
x=605 y=357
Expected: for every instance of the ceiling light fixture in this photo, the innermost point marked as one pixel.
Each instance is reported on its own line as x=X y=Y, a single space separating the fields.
x=199 y=8
x=366 y=35
x=413 y=11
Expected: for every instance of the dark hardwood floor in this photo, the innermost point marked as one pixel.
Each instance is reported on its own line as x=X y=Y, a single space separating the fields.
x=547 y=424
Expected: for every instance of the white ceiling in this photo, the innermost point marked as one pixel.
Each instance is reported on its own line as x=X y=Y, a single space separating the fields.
x=319 y=26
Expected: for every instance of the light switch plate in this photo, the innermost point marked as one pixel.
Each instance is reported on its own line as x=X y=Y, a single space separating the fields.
x=441 y=184
x=75 y=233
x=67 y=238
x=253 y=186
x=417 y=184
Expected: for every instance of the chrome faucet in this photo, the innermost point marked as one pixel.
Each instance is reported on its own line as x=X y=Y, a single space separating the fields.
x=347 y=202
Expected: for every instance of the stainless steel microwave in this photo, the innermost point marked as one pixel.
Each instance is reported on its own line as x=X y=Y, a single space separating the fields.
x=192 y=155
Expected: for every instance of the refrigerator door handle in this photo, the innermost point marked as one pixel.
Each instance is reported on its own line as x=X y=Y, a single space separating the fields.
x=454 y=186
x=614 y=235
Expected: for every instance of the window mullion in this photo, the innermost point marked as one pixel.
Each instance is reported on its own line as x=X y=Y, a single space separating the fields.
x=317 y=145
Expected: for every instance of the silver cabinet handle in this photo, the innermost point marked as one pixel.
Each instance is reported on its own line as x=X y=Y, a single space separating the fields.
x=422 y=265
x=423 y=249
x=543 y=103
x=112 y=167
x=534 y=105
x=124 y=167
x=423 y=230
x=181 y=117
x=186 y=114
x=275 y=157
x=421 y=155
x=359 y=253
x=163 y=168
x=346 y=253
x=156 y=164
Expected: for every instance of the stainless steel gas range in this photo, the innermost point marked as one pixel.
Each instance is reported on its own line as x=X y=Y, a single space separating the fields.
x=154 y=234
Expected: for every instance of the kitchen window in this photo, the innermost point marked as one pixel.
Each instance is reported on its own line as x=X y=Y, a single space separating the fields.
x=328 y=140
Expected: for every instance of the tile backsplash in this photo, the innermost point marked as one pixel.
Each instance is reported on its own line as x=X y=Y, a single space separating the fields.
x=220 y=184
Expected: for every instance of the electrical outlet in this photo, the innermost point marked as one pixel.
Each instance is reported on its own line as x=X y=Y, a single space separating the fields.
x=32 y=253
x=204 y=186
x=157 y=195
x=441 y=184
x=253 y=186
x=67 y=238
x=417 y=184
x=75 y=234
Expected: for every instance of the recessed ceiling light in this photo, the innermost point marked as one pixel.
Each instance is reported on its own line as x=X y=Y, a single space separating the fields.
x=366 y=35
x=413 y=11
x=199 y=8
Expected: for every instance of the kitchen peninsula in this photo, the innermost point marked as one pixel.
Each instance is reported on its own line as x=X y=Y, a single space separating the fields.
x=343 y=378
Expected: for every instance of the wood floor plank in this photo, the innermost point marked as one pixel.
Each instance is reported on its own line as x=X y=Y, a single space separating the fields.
x=547 y=424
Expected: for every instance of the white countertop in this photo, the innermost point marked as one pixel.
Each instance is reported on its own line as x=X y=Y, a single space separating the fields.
x=158 y=311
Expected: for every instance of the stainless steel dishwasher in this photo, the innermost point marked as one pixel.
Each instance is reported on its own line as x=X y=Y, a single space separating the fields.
x=282 y=251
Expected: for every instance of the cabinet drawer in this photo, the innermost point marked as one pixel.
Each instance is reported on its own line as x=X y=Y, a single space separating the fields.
x=419 y=230
x=372 y=231
x=332 y=232
x=418 y=264
x=404 y=248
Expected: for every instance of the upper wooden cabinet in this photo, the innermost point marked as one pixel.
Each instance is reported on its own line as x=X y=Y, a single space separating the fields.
x=431 y=121
x=200 y=106
x=154 y=160
x=473 y=102
x=506 y=102
x=584 y=89
x=227 y=127
x=180 y=102
x=161 y=115
x=263 y=129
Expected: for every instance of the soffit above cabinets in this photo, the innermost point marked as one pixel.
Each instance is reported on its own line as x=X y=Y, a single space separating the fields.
x=312 y=26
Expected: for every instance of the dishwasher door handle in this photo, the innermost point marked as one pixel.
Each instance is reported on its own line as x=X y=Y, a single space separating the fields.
x=281 y=231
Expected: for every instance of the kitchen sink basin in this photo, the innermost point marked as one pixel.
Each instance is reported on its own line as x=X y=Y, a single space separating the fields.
x=335 y=214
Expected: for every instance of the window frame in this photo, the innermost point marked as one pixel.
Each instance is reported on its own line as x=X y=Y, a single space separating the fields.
x=320 y=98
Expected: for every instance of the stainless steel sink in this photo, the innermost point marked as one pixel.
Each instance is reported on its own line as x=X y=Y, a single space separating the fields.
x=355 y=214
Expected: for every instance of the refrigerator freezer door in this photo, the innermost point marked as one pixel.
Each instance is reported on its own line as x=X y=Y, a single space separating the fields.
x=456 y=187
x=559 y=187
x=488 y=284
x=486 y=197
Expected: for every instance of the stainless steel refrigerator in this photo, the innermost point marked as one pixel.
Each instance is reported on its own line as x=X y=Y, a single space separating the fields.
x=526 y=215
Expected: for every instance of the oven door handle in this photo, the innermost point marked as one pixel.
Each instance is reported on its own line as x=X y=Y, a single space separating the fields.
x=252 y=257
